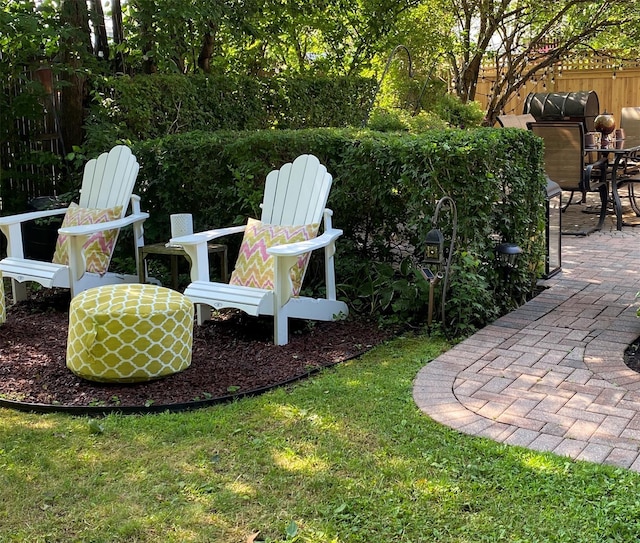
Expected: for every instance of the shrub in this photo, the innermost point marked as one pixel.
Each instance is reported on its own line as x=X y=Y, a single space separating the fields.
x=459 y=115
x=385 y=120
x=152 y=106
x=386 y=186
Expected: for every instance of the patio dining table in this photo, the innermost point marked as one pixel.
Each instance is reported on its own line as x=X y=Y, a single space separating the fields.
x=618 y=151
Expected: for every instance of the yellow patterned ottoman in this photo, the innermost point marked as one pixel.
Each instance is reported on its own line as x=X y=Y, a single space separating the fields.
x=129 y=333
x=3 y=310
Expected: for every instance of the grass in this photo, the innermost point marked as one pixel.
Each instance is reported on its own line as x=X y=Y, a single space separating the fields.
x=343 y=457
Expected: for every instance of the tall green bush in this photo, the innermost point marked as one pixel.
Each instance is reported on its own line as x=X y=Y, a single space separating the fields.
x=386 y=186
x=152 y=106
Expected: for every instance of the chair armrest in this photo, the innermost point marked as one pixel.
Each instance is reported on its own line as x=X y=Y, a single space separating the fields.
x=286 y=255
x=87 y=229
x=30 y=216
x=301 y=247
x=203 y=237
x=195 y=245
x=10 y=226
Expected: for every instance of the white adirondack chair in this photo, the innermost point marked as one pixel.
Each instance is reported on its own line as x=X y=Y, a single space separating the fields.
x=107 y=182
x=295 y=195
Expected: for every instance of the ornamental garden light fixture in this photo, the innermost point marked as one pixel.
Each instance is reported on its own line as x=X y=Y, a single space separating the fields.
x=437 y=258
x=507 y=255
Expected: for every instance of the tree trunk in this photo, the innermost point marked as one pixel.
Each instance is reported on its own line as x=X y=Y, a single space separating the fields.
x=100 y=30
x=74 y=47
x=148 y=64
x=467 y=85
x=204 y=58
x=118 y=36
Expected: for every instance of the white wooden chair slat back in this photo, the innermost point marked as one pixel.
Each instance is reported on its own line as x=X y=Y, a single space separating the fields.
x=319 y=195
x=297 y=193
x=108 y=180
x=275 y=195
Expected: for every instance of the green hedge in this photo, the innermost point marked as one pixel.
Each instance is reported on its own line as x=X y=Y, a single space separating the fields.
x=151 y=106
x=384 y=194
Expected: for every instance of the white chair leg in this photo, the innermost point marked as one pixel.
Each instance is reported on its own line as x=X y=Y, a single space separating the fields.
x=280 y=326
x=281 y=295
x=18 y=290
x=203 y=313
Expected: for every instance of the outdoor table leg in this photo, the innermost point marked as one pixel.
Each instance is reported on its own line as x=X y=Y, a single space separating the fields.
x=632 y=198
x=617 y=204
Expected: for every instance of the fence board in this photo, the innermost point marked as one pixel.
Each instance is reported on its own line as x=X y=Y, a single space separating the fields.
x=25 y=172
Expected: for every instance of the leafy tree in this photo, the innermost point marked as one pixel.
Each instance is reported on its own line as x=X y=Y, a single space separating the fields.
x=28 y=39
x=256 y=37
x=410 y=62
x=522 y=38
x=29 y=36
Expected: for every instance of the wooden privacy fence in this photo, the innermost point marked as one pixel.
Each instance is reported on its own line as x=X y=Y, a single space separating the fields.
x=30 y=146
x=616 y=84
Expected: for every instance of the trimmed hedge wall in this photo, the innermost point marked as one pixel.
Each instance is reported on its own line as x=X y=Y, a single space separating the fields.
x=152 y=106
x=385 y=190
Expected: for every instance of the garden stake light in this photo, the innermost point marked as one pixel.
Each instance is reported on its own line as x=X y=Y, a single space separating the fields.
x=507 y=255
x=435 y=256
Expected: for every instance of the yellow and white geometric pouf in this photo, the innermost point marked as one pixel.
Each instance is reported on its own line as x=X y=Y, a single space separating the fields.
x=129 y=333
x=3 y=308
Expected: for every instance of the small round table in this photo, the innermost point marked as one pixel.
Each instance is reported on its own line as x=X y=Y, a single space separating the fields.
x=174 y=251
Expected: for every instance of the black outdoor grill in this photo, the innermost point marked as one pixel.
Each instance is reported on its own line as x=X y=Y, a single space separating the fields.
x=582 y=106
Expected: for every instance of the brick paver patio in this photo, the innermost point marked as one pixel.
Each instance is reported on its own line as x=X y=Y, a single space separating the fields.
x=550 y=376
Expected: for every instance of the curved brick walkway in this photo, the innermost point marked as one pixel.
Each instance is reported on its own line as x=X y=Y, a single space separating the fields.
x=550 y=376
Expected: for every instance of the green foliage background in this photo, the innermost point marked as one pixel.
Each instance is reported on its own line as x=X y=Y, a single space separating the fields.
x=386 y=186
x=145 y=107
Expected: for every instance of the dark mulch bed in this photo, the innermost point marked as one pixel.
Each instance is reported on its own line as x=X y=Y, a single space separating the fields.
x=233 y=355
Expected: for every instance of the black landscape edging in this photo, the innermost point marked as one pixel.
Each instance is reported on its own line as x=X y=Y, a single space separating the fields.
x=97 y=410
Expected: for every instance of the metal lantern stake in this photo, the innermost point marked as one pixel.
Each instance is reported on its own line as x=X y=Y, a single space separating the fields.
x=434 y=256
x=434 y=248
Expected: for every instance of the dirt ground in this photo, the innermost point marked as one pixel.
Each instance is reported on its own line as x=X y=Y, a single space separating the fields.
x=233 y=355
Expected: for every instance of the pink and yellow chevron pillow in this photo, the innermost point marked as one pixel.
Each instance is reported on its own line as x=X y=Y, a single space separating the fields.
x=99 y=246
x=254 y=267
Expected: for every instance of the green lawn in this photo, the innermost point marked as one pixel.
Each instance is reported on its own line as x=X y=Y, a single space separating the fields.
x=343 y=457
